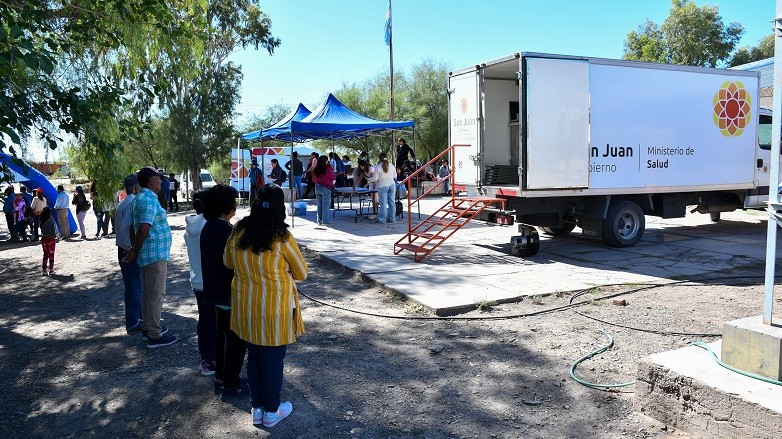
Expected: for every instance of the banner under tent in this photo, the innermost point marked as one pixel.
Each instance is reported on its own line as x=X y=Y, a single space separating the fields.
x=330 y=120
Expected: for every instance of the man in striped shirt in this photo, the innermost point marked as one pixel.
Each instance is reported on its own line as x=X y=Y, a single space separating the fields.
x=151 y=238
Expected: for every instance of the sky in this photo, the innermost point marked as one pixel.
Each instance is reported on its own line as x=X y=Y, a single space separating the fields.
x=328 y=43
x=325 y=44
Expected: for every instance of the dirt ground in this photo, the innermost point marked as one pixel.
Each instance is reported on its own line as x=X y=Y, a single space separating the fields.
x=73 y=372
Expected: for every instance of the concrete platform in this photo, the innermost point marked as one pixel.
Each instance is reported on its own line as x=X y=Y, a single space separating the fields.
x=688 y=390
x=475 y=264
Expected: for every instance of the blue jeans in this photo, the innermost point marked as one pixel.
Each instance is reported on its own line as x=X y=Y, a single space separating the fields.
x=131 y=276
x=297 y=184
x=386 y=211
x=264 y=375
x=323 y=196
x=99 y=216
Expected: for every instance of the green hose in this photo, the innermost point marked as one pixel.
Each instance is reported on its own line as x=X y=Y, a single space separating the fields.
x=590 y=355
x=703 y=345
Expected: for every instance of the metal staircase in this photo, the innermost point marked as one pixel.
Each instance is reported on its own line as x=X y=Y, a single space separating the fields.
x=430 y=233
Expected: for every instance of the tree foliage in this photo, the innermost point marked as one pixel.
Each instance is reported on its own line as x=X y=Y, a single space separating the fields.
x=420 y=95
x=198 y=88
x=690 y=35
x=41 y=91
x=745 y=55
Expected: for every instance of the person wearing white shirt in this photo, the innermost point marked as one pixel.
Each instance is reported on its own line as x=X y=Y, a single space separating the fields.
x=61 y=207
x=384 y=176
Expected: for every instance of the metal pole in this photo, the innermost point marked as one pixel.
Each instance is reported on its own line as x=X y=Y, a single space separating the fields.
x=239 y=160
x=773 y=184
x=391 y=58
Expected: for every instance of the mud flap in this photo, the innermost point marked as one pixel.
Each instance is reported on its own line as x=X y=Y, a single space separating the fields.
x=592 y=227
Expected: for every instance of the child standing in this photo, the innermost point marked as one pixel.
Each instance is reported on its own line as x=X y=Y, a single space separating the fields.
x=48 y=241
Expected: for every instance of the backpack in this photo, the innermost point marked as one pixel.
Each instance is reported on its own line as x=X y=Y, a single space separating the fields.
x=283 y=176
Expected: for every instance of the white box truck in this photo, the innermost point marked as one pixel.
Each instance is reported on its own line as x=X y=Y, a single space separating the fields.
x=597 y=144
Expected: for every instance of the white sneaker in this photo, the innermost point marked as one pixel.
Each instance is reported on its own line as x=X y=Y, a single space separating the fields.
x=257 y=415
x=270 y=419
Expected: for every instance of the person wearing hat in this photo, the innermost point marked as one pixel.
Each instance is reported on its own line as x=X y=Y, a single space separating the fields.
x=82 y=206
x=253 y=176
x=150 y=235
x=131 y=273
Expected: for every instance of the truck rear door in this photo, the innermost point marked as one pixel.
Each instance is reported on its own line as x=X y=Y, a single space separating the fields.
x=555 y=112
x=464 y=115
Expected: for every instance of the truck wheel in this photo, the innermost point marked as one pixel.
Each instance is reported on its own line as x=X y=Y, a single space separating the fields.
x=624 y=224
x=715 y=217
x=558 y=231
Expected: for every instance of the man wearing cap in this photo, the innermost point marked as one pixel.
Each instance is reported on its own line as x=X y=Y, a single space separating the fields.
x=61 y=207
x=253 y=176
x=150 y=235
x=131 y=273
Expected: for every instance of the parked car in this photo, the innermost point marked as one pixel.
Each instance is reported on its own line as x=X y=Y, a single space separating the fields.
x=186 y=182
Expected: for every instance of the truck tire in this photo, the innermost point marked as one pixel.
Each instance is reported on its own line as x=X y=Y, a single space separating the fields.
x=558 y=231
x=624 y=224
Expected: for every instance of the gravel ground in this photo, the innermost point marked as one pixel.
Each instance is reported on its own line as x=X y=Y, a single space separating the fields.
x=74 y=372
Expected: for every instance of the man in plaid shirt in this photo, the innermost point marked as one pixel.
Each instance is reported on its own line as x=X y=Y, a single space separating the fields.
x=151 y=238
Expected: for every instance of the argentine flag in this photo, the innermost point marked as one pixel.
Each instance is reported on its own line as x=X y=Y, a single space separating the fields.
x=388 y=25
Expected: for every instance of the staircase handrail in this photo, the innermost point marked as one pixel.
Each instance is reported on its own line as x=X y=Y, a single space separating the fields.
x=406 y=181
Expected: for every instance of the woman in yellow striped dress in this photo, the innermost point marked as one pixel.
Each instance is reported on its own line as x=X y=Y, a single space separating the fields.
x=265 y=313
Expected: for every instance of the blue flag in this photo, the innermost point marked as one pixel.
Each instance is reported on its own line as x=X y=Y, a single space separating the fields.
x=388 y=25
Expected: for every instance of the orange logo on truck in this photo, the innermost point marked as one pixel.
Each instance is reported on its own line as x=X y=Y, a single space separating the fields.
x=732 y=108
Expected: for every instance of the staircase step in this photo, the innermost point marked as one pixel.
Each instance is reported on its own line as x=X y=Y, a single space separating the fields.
x=427 y=235
x=445 y=223
x=460 y=211
x=412 y=247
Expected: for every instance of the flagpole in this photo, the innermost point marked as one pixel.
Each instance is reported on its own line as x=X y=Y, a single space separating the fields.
x=391 y=66
x=391 y=60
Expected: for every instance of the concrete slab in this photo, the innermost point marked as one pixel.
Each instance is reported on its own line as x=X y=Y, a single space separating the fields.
x=688 y=390
x=475 y=264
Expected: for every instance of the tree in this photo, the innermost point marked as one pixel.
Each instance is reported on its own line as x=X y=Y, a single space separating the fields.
x=37 y=42
x=427 y=102
x=690 y=35
x=745 y=55
x=198 y=88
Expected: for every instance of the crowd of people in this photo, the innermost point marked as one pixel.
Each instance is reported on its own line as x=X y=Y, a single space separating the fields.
x=24 y=213
x=242 y=275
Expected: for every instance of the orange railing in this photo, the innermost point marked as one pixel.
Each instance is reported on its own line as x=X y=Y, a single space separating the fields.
x=407 y=181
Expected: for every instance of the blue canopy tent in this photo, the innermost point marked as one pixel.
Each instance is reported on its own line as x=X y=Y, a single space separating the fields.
x=333 y=120
x=330 y=120
x=30 y=177
x=282 y=126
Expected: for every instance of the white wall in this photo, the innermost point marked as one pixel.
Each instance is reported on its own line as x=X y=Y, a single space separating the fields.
x=496 y=146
